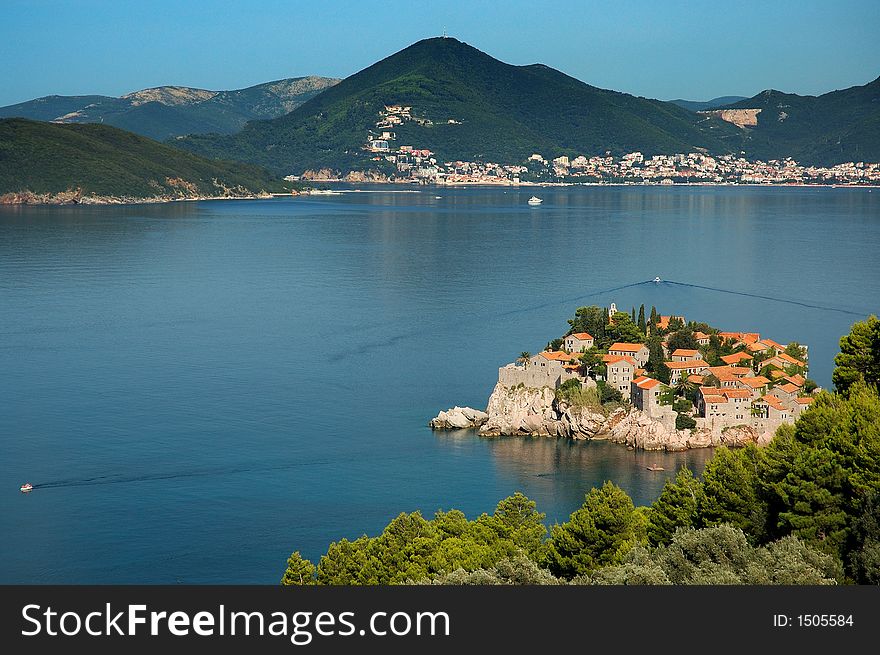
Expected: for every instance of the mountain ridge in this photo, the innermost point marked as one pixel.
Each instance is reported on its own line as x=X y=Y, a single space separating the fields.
x=167 y=111
x=468 y=105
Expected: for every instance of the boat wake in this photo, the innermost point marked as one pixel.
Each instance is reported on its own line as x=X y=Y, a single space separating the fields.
x=172 y=475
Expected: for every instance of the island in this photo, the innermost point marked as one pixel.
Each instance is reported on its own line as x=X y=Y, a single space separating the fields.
x=655 y=383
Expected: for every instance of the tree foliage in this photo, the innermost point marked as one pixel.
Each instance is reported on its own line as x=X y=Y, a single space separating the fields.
x=676 y=507
x=601 y=532
x=859 y=357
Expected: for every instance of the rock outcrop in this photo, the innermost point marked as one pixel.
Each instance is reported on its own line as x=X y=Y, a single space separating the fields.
x=458 y=418
x=528 y=411
x=638 y=430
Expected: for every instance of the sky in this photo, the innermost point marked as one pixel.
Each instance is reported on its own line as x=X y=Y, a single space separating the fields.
x=664 y=49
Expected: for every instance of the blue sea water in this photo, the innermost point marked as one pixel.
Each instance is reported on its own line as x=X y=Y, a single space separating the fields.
x=197 y=389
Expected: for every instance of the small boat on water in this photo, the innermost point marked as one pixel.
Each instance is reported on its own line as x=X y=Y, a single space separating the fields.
x=657 y=280
x=535 y=200
x=655 y=468
x=27 y=486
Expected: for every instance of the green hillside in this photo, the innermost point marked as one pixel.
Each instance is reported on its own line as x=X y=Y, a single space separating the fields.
x=827 y=129
x=103 y=160
x=504 y=113
x=168 y=111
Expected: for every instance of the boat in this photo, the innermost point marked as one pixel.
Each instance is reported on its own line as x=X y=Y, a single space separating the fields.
x=655 y=468
x=657 y=280
x=535 y=200
x=27 y=486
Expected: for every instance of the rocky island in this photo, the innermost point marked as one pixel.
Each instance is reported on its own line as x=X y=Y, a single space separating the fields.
x=659 y=383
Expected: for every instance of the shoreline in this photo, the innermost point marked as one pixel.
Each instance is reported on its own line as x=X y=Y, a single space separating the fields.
x=19 y=199
x=71 y=199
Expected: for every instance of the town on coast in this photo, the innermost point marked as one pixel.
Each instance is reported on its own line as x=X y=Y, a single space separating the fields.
x=653 y=382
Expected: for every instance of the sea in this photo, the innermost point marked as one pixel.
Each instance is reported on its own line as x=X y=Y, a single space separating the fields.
x=197 y=389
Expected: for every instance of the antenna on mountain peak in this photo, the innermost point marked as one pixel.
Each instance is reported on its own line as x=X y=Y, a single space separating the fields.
x=444 y=33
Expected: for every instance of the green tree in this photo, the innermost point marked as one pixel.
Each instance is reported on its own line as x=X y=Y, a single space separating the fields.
x=524 y=357
x=656 y=359
x=591 y=320
x=864 y=549
x=642 y=325
x=722 y=555
x=517 y=519
x=859 y=357
x=299 y=571
x=601 y=532
x=796 y=350
x=676 y=507
x=555 y=344
x=683 y=338
x=608 y=394
x=590 y=360
x=730 y=491
x=623 y=329
x=654 y=318
x=684 y=422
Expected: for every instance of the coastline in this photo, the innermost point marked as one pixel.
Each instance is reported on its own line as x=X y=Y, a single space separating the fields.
x=71 y=198
x=29 y=198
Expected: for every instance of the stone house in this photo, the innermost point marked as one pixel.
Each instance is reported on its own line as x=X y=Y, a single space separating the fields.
x=546 y=369
x=620 y=372
x=645 y=394
x=686 y=355
x=638 y=351
x=690 y=367
x=702 y=338
x=577 y=342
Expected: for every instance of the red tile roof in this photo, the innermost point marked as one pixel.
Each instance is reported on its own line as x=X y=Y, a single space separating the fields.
x=774 y=402
x=735 y=358
x=805 y=400
x=680 y=366
x=627 y=347
x=583 y=336
x=755 y=382
x=685 y=352
x=797 y=379
x=613 y=359
x=789 y=388
x=791 y=360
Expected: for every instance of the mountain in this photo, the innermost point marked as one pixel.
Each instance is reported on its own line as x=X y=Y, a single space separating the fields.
x=831 y=128
x=49 y=158
x=699 y=105
x=465 y=105
x=169 y=111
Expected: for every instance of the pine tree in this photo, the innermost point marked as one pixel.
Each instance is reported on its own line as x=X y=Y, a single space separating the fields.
x=601 y=532
x=675 y=508
x=299 y=571
x=633 y=314
x=641 y=322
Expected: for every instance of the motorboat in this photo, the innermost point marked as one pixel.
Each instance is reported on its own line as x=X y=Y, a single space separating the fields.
x=535 y=200
x=655 y=468
x=27 y=486
x=657 y=280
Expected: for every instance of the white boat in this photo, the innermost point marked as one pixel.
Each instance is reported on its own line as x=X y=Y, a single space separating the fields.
x=657 y=280
x=27 y=486
x=535 y=200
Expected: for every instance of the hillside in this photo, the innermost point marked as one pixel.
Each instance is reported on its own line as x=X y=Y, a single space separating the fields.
x=501 y=113
x=48 y=158
x=701 y=105
x=827 y=129
x=169 y=111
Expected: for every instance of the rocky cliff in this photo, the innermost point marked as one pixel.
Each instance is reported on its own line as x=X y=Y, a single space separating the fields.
x=528 y=411
x=536 y=412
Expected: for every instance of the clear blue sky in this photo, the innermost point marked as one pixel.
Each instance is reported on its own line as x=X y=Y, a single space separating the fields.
x=663 y=49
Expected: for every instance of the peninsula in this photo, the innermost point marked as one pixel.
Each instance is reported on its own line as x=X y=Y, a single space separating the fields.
x=655 y=383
